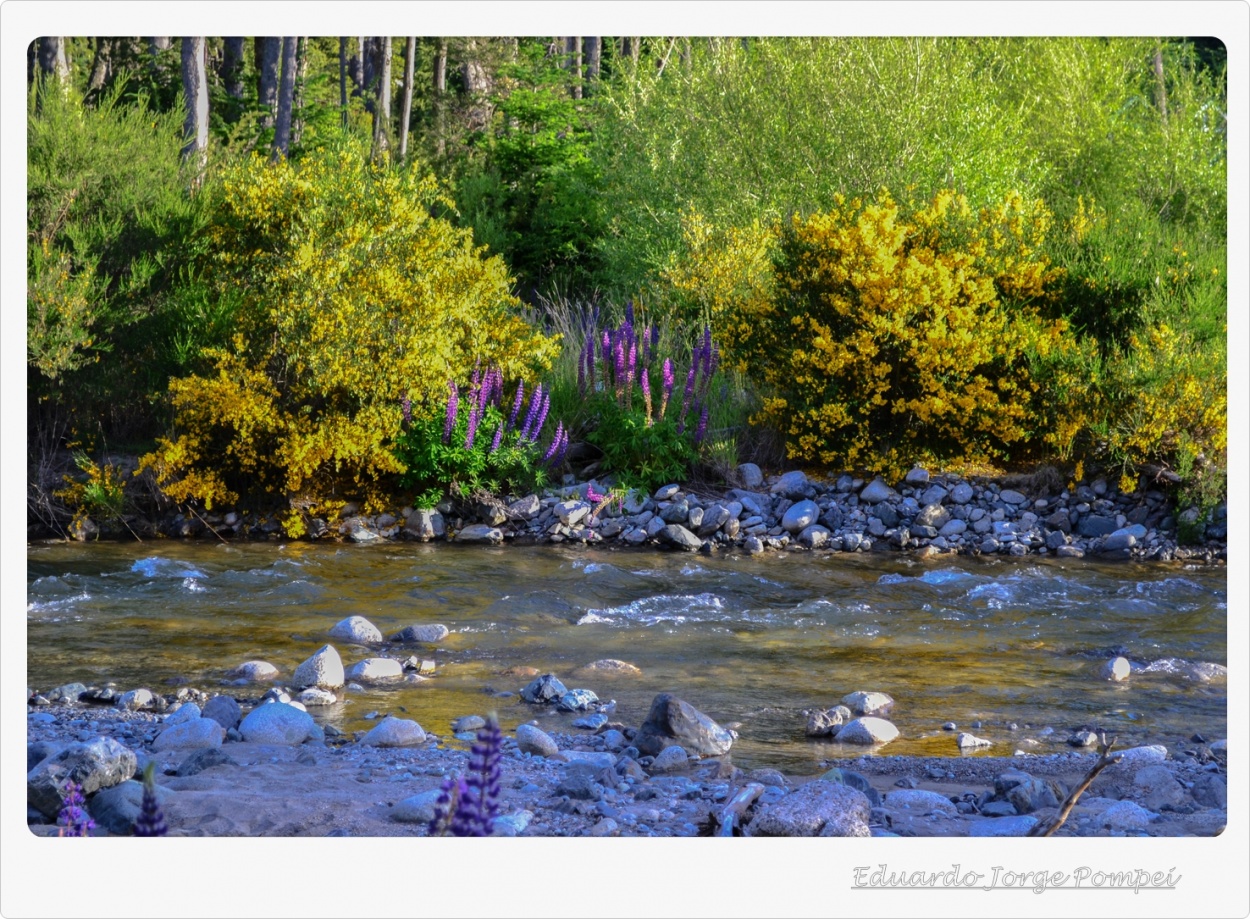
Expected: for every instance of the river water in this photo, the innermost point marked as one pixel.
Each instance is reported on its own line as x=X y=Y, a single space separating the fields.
x=748 y=640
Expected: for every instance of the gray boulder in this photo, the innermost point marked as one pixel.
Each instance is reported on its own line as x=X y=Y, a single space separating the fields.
x=375 y=670
x=920 y=801
x=277 y=723
x=480 y=532
x=678 y=536
x=395 y=732
x=544 y=689
x=200 y=760
x=98 y=763
x=816 y=808
x=868 y=703
x=117 y=808
x=224 y=710
x=418 y=808
x=867 y=731
x=673 y=721
x=531 y=739
x=356 y=629
x=750 y=475
x=135 y=699
x=425 y=525
x=792 y=485
x=425 y=634
x=254 y=671
x=192 y=735
x=800 y=515
x=323 y=670
x=876 y=491
x=962 y=493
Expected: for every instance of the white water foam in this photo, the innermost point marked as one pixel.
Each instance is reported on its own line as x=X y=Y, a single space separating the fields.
x=156 y=567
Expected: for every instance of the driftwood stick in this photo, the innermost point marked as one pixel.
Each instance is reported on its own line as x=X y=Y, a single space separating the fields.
x=736 y=806
x=1049 y=826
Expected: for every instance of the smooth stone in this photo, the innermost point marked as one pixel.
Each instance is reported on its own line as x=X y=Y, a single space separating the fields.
x=1126 y=815
x=750 y=475
x=1011 y=496
x=867 y=731
x=673 y=721
x=917 y=476
x=425 y=634
x=666 y=492
x=544 y=689
x=509 y=825
x=962 y=493
x=276 y=723
x=571 y=513
x=224 y=710
x=207 y=758
x=375 y=670
x=425 y=525
x=591 y=722
x=608 y=667
x=592 y=758
x=531 y=739
x=117 y=808
x=791 y=484
x=824 y=723
x=856 y=781
x=816 y=808
x=356 y=629
x=670 y=759
x=480 y=532
x=868 y=703
x=577 y=700
x=394 y=732
x=188 y=711
x=135 y=699
x=468 y=723
x=800 y=515
x=876 y=491
x=1210 y=791
x=418 y=808
x=324 y=670
x=675 y=534
x=968 y=741
x=315 y=697
x=927 y=802
x=814 y=536
x=1136 y=757
x=934 y=494
x=933 y=515
x=254 y=671
x=1117 y=670
x=202 y=732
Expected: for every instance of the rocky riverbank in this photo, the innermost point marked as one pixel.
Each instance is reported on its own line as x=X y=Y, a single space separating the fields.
x=261 y=766
x=926 y=514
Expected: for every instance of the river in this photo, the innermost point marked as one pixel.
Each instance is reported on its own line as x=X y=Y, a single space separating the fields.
x=747 y=640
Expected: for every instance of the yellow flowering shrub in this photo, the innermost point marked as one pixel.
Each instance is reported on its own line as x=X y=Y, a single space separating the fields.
x=896 y=336
x=353 y=297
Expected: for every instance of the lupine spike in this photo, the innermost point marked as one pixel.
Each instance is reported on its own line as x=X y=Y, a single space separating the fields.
x=535 y=401
x=701 y=430
x=666 y=385
x=689 y=394
x=555 y=444
x=646 y=394
x=472 y=431
x=498 y=438
x=453 y=402
x=516 y=404
x=150 y=822
x=629 y=312
x=581 y=373
x=73 y=817
x=542 y=417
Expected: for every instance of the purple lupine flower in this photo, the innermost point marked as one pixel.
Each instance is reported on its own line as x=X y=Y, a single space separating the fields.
x=453 y=402
x=73 y=816
x=702 y=428
x=498 y=438
x=450 y=794
x=629 y=313
x=631 y=364
x=581 y=372
x=150 y=822
x=666 y=385
x=530 y=415
x=542 y=417
x=590 y=360
x=471 y=433
x=655 y=337
x=689 y=394
x=620 y=363
x=593 y=496
x=607 y=355
x=644 y=342
x=516 y=405
x=564 y=448
x=405 y=407
x=478 y=803
x=555 y=444
x=646 y=394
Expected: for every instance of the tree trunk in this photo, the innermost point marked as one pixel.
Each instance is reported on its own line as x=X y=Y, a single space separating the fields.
x=195 y=91
x=232 y=68
x=1161 y=89
x=686 y=55
x=369 y=72
x=410 y=63
x=382 y=109
x=268 y=61
x=301 y=76
x=101 y=67
x=440 y=100
x=52 y=60
x=594 y=51
x=356 y=68
x=286 y=100
x=573 y=50
x=343 y=83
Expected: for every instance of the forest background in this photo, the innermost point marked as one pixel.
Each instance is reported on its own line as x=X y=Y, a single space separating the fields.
x=858 y=254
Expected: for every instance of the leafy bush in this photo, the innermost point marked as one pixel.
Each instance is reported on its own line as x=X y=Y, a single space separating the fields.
x=350 y=297
x=480 y=446
x=99 y=493
x=897 y=336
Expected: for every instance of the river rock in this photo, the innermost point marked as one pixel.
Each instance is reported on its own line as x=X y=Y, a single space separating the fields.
x=207 y=758
x=425 y=525
x=856 y=781
x=394 y=732
x=418 y=808
x=1003 y=826
x=468 y=723
x=324 y=670
x=924 y=802
x=375 y=670
x=572 y=513
x=962 y=493
x=117 y=808
x=425 y=634
x=224 y=710
x=608 y=667
x=1093 y=525
x=1116 y=670
x=1211 y=791
x=186 y=711
x=531 y=739
x=356 y=629
x=98 y=763
x=673 y=721
x=315 y=697
x=544 y=689
x=1010 y=496
x=750 y=476
x=526 y=508
x=1158 y=787
x=868 y=703
x=876 y=491
x=793 y=485
x=800 y=515
x=966 y=741
x=916 y=476
x=867 y=731
x=254 y=671
x=68 y=692
x=277 y=723
x=1126 y=815
x=202 y=732
x=933 y=515
x=814 y=536
x=934 y=494
x=135 y=699
x=824 y=723
x=666 y=492
x=1136 y=757
x=816 y=808
x=670 y=759
x=678 y=536
x=480 y=533
x=577 y=700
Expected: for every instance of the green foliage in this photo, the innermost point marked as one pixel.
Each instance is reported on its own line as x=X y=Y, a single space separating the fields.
x=640 y=454
x=98 y=492
x=350 y=297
